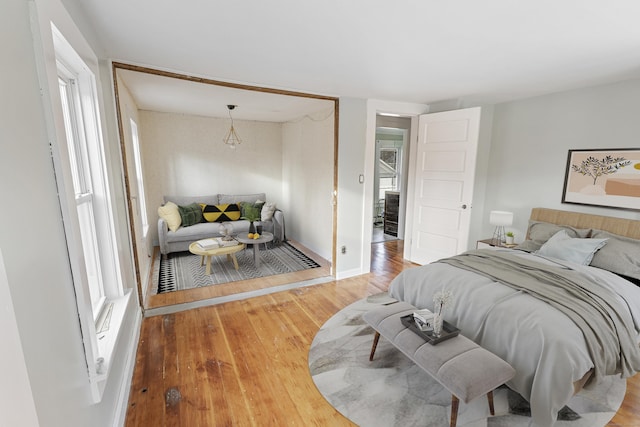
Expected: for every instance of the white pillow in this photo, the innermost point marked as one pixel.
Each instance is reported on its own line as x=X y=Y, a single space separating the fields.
x=563 y=247
x=267 y=211
x=171 y=215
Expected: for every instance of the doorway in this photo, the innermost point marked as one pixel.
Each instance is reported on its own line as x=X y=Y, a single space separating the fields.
x=390 y=178
x=182 y=119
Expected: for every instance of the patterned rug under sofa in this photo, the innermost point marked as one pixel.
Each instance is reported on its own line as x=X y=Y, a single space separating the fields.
x=182 y=270
x=392 y=391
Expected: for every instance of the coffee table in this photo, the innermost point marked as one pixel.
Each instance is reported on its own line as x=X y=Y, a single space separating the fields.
x=265 y=237
x=229 y=251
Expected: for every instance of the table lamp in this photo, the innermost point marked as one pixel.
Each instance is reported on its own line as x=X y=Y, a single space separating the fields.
x=500 y=219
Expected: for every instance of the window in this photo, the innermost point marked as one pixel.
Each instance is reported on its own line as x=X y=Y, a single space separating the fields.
x=80 y=167
x=81 y=173
x=142 y=207
x=389 y=173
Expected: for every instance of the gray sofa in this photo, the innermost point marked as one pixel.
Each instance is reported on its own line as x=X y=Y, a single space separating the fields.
x=179 y=240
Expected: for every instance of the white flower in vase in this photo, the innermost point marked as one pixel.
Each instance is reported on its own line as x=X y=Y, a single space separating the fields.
x=441 y=299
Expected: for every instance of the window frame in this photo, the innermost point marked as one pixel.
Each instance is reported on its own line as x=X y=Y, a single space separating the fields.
x=99 y=343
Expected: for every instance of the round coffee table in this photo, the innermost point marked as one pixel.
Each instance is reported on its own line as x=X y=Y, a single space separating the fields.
x=229 y=251
x=265 y=237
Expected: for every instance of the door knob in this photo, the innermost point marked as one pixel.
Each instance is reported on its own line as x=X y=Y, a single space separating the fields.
x=464 y=206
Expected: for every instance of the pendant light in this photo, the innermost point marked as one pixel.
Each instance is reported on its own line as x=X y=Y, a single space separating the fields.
x=232 y=139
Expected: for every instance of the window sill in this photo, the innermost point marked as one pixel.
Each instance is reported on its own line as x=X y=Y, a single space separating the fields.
x=107 y=343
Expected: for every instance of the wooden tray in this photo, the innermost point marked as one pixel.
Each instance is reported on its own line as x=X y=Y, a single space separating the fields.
x=448 y=330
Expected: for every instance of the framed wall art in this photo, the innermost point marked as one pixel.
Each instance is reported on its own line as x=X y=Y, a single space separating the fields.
x=606 y=177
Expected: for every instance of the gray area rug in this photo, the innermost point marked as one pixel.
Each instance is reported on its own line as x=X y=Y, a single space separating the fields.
x=392 y=391
x=182 y=270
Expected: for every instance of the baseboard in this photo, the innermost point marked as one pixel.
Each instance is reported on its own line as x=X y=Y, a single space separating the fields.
x=349 y=273
x=125 y=386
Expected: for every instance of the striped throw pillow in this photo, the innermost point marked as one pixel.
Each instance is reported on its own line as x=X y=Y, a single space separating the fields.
x=221 y=213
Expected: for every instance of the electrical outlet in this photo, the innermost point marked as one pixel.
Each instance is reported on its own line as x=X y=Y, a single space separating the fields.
x=343 y=249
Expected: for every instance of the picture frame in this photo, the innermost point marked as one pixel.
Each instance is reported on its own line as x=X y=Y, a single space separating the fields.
x=603 y=177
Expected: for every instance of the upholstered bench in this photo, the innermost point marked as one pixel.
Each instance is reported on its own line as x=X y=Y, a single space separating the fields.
x=460 y=365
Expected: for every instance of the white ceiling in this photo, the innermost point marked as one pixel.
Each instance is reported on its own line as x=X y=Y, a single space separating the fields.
x=421 y=51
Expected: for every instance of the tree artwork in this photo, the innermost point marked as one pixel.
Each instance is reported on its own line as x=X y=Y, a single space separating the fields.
x=596 y=168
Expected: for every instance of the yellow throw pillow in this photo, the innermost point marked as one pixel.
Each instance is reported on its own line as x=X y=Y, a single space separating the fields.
x=171 y=215
x=220 y=213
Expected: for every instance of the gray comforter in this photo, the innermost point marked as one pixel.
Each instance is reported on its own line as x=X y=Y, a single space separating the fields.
x=545 y=346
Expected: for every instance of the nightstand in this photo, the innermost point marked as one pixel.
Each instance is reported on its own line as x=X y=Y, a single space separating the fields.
x=488 y=244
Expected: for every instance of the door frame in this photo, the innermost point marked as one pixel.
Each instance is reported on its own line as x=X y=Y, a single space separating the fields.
x=115 y=66
x=375 y=107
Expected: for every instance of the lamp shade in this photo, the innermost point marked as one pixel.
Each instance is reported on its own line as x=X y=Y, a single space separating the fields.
x=501 y=218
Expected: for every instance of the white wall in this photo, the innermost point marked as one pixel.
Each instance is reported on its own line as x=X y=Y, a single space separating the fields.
x=184 y=155
x=531 y=139
x=307 y=179
x=17 y=407
x=39 y=280
x=351 y=195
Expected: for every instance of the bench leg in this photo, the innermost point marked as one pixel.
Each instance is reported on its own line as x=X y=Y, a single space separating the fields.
x=454 y=410
x=490 y=399
x=375 y=344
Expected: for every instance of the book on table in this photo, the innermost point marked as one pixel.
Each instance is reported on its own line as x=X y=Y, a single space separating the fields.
x=223 y=243
x=423 y=319
x=207 y=244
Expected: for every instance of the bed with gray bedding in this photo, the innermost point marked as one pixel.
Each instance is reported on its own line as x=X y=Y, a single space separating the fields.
x=558 y=320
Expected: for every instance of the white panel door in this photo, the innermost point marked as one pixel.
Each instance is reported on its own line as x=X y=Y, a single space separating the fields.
x=445 y=168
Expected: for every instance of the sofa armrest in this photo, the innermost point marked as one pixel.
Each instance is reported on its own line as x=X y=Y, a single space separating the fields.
x=163 y=229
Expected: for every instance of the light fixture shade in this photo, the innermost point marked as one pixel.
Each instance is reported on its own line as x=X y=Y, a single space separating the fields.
x=232 y=139
x=501 y=218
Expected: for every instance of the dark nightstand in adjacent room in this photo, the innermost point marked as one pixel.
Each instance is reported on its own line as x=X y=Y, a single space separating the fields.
x=391 y=211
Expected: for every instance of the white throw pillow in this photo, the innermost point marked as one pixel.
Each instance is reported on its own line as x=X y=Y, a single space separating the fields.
x=580 y=251
x=267 y=211
x=171 y=215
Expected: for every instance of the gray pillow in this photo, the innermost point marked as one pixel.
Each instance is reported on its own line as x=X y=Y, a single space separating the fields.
x=621 y=255
x=562 y=246
x=540 y=232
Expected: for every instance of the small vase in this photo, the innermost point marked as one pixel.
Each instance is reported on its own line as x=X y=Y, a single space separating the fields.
x=437 y=324
x=252 y=228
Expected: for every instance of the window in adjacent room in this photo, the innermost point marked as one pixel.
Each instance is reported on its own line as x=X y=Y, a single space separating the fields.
x=142 y=207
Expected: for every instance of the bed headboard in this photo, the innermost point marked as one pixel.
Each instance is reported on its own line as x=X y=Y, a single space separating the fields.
x=619 y=226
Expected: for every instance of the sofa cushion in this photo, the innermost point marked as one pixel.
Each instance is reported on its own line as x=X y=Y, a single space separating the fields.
x=221 y=213
x=267 y=211
x=237 y=198
x=251 y=211
x=190 y=214
x=171 y=215
x=187 y=200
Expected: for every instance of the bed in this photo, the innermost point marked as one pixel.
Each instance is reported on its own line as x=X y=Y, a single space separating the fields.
x=563 y=308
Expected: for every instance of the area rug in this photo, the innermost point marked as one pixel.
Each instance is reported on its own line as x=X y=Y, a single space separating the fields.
x=392 y=391
x=182 y=270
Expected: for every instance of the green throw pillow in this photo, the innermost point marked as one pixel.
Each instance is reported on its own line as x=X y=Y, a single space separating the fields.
x=190 y=214
x=251 y=211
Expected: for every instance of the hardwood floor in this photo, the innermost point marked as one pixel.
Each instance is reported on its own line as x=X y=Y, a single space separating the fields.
x=231 y=288
x=245 y=362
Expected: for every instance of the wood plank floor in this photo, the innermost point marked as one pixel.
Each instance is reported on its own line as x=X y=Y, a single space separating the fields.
x=245 y=362
x=225 y=289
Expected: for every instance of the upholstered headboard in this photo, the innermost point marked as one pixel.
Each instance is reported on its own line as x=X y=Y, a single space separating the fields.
x=620 y=226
